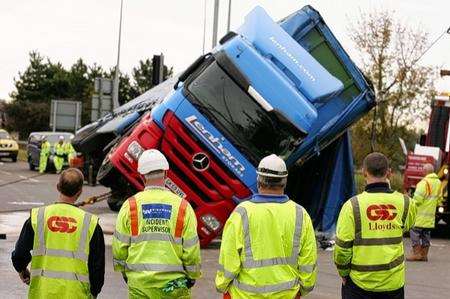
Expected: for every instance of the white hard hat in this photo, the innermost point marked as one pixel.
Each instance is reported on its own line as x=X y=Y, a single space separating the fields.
x=61 y=137
x=272 y=166
x=152 y=160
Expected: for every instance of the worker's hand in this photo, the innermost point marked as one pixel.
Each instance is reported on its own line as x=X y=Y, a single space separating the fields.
x=344 y=280
x=25 y=276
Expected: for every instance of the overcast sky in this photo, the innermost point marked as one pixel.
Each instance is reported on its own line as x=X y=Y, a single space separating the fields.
x=65 y=30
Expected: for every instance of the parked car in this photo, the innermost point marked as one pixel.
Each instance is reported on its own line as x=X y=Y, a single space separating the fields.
x=34 y=147
x=8 y=146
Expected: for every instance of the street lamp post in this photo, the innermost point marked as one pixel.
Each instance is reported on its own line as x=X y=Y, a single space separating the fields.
x=115 y=96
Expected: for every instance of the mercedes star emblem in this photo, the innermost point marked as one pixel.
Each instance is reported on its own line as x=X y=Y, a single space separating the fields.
x=200 y=162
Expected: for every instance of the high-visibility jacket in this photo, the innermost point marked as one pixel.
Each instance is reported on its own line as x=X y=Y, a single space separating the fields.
x=369 y=244
x=156 y=240
x=45 y=148
x=268 y=250
x=427 y=196
x=59 y=265
x=60 y=150
x=68 y=148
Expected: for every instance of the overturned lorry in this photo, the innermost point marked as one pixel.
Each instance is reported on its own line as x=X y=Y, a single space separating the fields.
x=286 y=88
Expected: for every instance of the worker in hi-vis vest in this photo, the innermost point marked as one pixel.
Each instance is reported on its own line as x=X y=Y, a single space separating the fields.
x=44 y=153
x=155 y=243
x=68 y=249
x=60 y=154
x=268 y=244
x=428 y=196
x=369 y=236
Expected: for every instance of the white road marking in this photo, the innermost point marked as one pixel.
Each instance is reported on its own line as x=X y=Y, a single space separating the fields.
x=23 y=177
x=25 y=203
x=34 y=181
x=5 y=172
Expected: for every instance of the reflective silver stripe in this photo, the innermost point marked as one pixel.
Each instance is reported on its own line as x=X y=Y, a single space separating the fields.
x=190 y=242
x=84 y=234
x=192 y=268
x=297 y=232
x=117 y=262
x=267 y=288
x=40 y=228
x=122 y=237
x=226 y=273
x=155 y=267
x=251 y=263
x=62 y=253
x=155 y=237
x=59 y=275
x=344 y=244
x=380 y=267
x=356 y=216
x=307 y=268
x=248 y=248
x=378 y=241
x=405 y=209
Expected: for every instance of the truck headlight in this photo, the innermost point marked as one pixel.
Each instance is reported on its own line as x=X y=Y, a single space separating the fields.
x=135 y=150
x=441 y=209
x=211 y=222
x=446 y=171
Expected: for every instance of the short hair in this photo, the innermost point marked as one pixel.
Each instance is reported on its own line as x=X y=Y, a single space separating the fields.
x=70 y=182
x=272 y=182
x=428 y=168
x=376 y=164
x=156 y=174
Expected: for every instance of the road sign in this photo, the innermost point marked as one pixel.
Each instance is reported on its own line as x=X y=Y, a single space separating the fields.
x=65 y=115
x=102 y=99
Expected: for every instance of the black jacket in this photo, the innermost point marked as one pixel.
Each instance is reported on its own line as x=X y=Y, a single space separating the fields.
x=21 y=255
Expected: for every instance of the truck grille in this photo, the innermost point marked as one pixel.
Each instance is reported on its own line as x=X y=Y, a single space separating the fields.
x=214 y=184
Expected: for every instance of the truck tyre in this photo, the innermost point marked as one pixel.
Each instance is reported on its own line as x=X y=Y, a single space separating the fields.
x=115 y=203
x=30 y=164
x=14 y=158
x=117 y=199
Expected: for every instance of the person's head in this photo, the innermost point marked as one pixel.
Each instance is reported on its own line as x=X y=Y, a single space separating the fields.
x=61 y=139
x=153 y=166
x=70 y=184
x=272 y=175
x=376 y=168
x=428 y=168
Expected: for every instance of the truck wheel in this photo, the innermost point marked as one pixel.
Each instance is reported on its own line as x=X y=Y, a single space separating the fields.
x=115 y=203
x=118 y=197
x=14 y=158
x=30 y=164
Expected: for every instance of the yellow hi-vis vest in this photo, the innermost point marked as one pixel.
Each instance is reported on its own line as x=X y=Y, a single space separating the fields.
x=59 y=264
x=427 y=196
x=369 y=244
x=268 y=251
x=156 y=240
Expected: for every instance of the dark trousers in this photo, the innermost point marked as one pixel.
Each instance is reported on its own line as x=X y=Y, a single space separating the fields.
x=352 y=291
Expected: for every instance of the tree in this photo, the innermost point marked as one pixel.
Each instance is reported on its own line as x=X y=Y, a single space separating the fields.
x=44 y=81
x=143 y=75
x=390 y=52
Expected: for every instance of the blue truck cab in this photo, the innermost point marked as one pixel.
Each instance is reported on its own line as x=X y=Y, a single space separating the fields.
x=286 y=88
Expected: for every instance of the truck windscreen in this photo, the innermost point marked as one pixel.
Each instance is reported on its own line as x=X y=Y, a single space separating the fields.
x=254 y=131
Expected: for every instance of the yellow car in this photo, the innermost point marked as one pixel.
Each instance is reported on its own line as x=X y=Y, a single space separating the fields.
x=8 y=147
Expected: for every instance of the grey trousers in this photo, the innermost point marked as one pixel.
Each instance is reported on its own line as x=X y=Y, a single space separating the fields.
x=420 y=236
